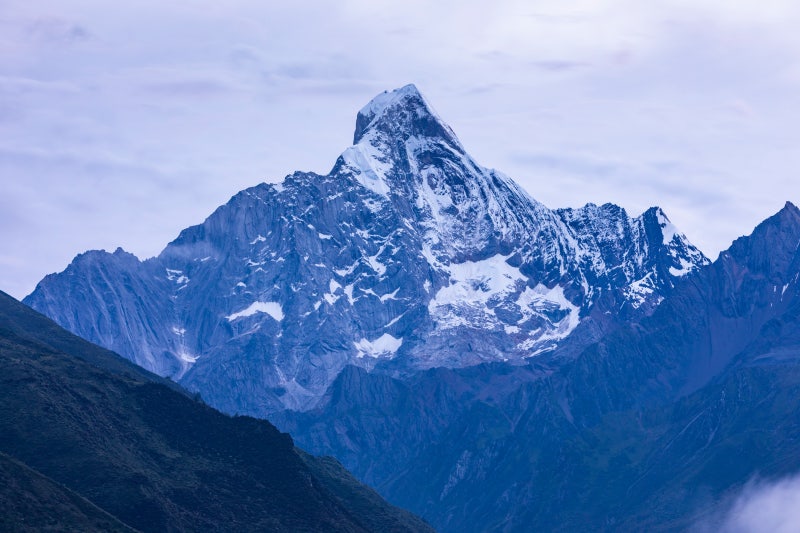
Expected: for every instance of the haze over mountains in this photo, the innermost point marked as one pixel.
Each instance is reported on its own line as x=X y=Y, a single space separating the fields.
x=482 y=360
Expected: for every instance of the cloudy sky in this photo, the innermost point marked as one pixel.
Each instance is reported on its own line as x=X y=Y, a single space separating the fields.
x=122 y=124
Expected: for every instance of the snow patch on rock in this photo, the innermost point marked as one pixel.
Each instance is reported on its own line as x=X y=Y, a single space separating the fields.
x=384 y=346
x=473 y=284
x=273 y=309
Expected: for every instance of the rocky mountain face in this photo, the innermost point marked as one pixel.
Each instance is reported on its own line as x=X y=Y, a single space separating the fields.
x=654 y=427
x=483 y=360
x=407 y=256
x=90 y=442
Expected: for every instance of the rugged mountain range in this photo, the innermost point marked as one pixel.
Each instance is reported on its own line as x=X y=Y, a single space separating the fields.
x=91 y=442
x=407 y=256
x=477 y=357
x=657 y=426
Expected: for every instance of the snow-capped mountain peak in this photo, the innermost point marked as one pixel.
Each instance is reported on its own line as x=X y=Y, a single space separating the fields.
x=408 y=254
x=399 y=115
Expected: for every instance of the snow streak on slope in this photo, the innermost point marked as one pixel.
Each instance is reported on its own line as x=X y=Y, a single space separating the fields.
x=273 y=309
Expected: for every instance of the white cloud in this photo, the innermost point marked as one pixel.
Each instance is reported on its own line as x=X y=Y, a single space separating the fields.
x=761 y=507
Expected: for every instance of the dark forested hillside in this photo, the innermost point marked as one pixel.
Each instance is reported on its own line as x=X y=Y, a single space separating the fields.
x=79 y=425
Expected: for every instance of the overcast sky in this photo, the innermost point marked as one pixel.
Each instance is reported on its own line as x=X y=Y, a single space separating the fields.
x=122 y=123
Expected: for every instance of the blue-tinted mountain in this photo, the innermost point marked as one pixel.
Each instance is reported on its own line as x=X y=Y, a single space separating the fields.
x=655 y=427
x=479 y=358
x=406 y=256
x=90 y=442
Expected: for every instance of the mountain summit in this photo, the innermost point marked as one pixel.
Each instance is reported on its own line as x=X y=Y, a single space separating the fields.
x=407 y=255
x=401 y=114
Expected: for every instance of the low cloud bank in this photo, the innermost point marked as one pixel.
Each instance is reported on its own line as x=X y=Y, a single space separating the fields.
x=761 y=506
